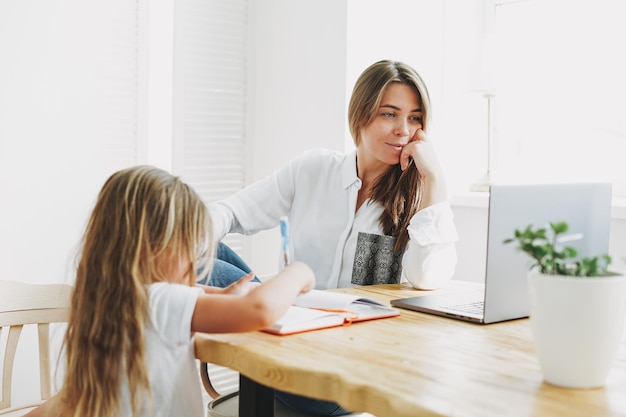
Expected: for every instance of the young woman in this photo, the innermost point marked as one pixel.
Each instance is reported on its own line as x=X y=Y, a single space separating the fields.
x=376 y=215
x=135 y=302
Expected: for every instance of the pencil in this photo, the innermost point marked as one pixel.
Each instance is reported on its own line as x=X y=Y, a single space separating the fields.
x=284 y=236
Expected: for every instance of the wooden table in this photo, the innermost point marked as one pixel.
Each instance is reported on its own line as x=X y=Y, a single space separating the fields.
x=412 y=365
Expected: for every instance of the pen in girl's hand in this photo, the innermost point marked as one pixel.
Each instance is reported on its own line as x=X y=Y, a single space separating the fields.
x=284 y=236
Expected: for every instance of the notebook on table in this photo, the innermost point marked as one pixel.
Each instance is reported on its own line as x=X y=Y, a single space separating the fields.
x=586 y=207
x=323 y=309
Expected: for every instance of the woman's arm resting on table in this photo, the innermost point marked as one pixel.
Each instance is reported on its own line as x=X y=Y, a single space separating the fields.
x=430 y=258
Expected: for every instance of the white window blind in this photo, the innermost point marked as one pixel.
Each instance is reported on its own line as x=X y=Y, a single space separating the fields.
x=210 y=97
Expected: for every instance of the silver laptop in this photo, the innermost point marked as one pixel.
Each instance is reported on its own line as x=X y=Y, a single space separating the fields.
x=585 y=207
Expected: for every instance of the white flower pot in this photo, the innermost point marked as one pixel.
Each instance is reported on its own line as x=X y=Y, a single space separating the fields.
x=577 y=326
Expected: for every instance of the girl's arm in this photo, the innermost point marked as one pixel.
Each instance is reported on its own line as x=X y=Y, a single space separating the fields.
x=254 y=310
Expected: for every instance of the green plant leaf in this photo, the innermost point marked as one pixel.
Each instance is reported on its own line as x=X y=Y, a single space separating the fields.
x=559 y=227
x=549 y=258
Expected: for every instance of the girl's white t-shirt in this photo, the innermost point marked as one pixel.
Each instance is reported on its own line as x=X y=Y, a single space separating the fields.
x=173 y=369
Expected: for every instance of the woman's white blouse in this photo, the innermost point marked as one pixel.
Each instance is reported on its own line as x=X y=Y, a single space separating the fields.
x=318 y=190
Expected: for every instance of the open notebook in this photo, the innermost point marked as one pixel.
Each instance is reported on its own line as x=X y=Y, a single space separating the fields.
x=322 y=309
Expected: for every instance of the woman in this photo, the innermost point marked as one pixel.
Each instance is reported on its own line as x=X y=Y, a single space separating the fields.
x=376 y=215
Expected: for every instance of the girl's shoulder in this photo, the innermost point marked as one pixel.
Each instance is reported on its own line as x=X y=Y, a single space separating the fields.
x=171 y=294
x=171 y=308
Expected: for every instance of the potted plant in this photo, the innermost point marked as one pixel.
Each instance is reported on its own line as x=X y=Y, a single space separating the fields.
x=576 y=307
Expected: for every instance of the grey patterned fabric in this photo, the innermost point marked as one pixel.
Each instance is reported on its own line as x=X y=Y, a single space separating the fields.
x=374 y=260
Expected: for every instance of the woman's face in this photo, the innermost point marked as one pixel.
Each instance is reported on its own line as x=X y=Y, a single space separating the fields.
x=394 y=125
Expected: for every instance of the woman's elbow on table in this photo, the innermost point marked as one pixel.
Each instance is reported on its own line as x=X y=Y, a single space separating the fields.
x=435 y=271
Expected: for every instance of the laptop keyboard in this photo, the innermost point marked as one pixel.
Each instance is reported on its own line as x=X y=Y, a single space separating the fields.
x=476 y=307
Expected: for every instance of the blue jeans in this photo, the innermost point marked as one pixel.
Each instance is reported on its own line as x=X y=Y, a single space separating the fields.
x=228 y=267
x=310 y=406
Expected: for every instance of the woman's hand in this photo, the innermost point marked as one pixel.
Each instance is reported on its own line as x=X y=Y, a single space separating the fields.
x=421 y=150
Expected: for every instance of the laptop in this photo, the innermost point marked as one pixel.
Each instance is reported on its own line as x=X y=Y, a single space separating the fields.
x=586 y=207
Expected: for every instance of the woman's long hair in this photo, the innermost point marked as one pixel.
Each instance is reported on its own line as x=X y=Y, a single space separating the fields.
x=399 y=192
x=143 y=220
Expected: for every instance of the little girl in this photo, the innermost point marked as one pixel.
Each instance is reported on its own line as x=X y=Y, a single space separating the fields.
x=135 y=301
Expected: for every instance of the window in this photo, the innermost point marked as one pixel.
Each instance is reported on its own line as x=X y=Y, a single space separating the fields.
x=560 y=90
x=69 y=104
x=210 y=89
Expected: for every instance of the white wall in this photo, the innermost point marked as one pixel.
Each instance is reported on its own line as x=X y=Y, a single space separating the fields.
x=54 y=110
x=298 y=101
x=470 y=211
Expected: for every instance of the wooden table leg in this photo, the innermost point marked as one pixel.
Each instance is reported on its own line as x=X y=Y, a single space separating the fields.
x=255 y=400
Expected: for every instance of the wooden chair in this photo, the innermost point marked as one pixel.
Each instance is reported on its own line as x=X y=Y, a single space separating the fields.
x=24 y=304
x=222 y=385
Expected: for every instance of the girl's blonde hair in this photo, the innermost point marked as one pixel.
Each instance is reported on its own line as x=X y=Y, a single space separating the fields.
x=399 y=192
x=143 y=220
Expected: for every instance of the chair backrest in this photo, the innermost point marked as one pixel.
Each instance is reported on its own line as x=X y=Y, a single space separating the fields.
x=218 y=380
x=29 y=304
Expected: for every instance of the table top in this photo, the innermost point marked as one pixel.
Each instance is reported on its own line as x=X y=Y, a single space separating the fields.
x=415 y=364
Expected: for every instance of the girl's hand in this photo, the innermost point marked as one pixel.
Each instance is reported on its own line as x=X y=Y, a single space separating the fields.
x=243 y=286
x=305 y=272
x=421 y=150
